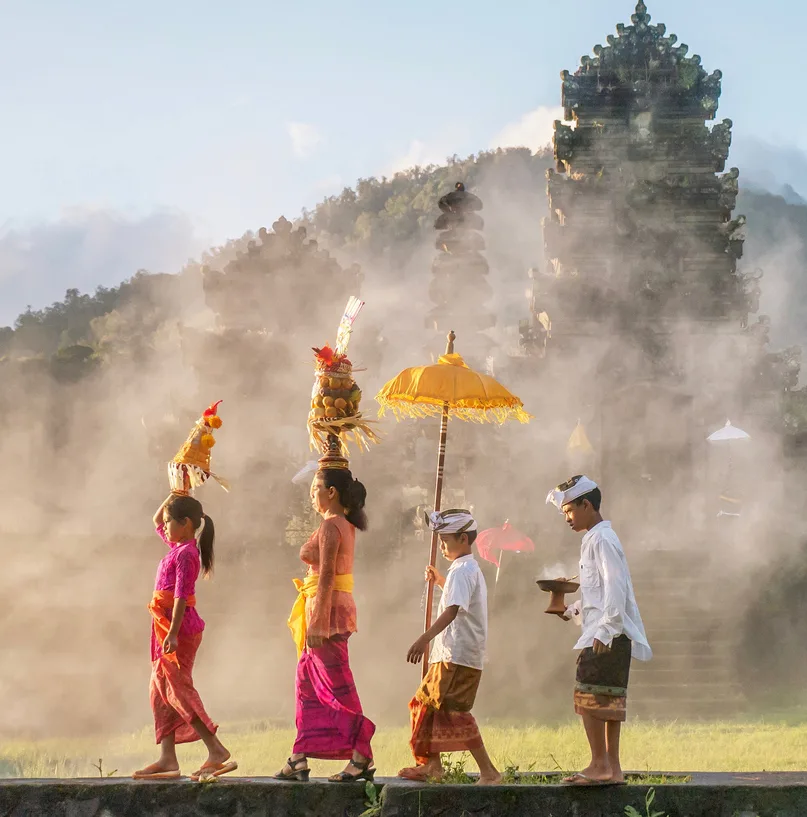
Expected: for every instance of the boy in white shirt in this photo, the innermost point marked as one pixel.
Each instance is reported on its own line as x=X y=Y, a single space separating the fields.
x=612 y=630
x=441 y=709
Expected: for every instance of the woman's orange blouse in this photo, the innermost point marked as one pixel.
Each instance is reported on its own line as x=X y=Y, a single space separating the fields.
x=329 y=552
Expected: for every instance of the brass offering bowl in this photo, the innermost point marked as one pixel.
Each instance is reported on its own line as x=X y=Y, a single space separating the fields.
x=557 y=588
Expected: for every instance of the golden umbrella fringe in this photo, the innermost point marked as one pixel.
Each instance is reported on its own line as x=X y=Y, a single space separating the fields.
x=470 y=411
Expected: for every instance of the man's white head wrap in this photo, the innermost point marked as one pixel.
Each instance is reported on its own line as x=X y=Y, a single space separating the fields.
x=568 y=491
x=452 y=521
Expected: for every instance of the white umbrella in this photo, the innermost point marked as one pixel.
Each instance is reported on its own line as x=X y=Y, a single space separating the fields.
x=304 y=474
x=728 y=433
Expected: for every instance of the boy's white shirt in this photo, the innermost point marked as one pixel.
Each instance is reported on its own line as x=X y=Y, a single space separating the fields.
x=607 y=606
x=463 y=641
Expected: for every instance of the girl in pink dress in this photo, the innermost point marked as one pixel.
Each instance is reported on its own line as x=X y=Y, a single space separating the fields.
x=179 y=715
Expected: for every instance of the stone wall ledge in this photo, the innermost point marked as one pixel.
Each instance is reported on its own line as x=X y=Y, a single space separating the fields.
x=708 y=795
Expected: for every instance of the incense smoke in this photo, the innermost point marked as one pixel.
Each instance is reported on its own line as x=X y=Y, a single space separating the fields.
x=86 y=469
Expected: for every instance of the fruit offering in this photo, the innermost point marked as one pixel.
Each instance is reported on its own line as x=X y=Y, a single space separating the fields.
x=335 y=398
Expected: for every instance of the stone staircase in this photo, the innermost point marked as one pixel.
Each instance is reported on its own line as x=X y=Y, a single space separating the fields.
x=692 y=674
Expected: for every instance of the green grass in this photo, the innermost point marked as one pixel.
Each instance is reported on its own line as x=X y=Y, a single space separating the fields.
x=756 y=745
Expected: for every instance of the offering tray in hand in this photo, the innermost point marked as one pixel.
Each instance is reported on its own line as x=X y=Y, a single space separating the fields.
x=557 y=588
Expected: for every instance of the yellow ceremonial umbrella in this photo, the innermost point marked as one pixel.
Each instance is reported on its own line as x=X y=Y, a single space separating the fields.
x=448 y=388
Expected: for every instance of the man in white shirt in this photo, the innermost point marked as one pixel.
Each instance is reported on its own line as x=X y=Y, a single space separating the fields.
x=441 y=709
x=612 y=630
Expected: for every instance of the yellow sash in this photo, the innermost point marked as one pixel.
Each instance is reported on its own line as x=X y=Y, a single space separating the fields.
x=308 y=589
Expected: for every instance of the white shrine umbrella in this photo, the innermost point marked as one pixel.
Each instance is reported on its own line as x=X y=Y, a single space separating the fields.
x=304 y=474
x=728 y=434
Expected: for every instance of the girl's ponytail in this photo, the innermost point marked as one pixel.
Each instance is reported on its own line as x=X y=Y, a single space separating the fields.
x=206 y=540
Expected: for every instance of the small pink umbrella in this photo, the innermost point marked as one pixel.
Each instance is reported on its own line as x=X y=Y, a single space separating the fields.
x=500 y=539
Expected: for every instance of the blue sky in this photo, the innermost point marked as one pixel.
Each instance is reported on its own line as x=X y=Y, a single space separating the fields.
x=224 y=115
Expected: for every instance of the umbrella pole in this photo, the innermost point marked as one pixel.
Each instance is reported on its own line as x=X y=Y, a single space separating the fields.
x=498 y=570
x=438 y=498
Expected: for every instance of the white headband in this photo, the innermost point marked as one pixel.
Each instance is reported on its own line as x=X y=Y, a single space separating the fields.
x=198 y=532
x=452 y=521
x=568 y=491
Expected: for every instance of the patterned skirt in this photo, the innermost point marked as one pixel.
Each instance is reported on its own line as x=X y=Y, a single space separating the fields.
x=330 y=721
x=440 y=712
x=602 y=681
x=174 y=699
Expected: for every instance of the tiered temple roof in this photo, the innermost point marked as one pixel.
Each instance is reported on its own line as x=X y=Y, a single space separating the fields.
x=264 y=287
x=640 y=222
x=459 y=287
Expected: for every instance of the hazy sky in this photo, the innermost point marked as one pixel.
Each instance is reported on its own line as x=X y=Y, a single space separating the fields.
x=233 y=113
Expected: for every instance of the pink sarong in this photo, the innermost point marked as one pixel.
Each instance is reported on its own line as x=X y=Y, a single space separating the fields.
x=174 y=700
x=330 y=721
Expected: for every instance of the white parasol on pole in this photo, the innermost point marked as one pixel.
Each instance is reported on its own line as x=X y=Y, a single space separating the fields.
x=728 y=434
x=304 y=474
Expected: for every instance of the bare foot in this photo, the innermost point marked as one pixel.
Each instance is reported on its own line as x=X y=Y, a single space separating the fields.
x=489 y=780
x=429 y=771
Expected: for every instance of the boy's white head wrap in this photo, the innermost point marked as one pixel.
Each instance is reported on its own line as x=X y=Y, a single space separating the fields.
x=570 y=490
x=452 y=521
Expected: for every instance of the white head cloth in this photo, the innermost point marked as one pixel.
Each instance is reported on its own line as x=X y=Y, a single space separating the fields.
x=567 y=491
x=452 y=521
x=198 y=533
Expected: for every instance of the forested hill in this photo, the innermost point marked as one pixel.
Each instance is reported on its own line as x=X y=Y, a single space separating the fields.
x=389 y=219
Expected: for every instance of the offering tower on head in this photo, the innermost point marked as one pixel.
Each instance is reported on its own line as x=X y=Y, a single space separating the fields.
x=190 y=468
x=335 y=415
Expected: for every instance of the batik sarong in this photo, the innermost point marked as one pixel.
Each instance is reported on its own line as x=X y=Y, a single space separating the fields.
x=440 y=712
x=174 y=700
x=330 y=721
x=602 y=681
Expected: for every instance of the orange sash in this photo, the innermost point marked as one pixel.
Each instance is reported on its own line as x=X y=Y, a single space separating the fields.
x=160 y=601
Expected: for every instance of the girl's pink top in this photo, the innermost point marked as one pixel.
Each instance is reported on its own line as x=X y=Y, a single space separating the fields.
x=329 y=553
x=178 y=572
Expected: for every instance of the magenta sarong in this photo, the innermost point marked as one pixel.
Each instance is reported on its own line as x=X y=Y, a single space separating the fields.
x=330 y=722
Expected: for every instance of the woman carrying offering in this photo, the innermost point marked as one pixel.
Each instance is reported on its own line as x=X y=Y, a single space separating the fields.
x=330 y=721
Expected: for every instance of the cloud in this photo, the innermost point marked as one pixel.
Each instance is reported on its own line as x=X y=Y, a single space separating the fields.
x=85 y=249
x=418 y=154
x=305 y=139
x=778 y=168
x=533 y=130
x=330 y=185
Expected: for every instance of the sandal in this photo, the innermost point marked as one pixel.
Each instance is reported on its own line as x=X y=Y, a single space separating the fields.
x=300 y=775
x=210 y=772
x=580 y=779
x=142 y=775
x=365 y=773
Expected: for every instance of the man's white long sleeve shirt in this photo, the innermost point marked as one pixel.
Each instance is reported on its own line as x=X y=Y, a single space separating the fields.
x=607 y=607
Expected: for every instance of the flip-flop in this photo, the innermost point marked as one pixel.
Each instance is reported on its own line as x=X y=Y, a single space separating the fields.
x=414 y=775
x=208 y=772
x=175 y=775
x=588 y=781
